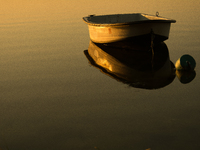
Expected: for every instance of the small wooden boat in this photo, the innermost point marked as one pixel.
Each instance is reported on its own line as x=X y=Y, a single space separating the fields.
x=118 y=27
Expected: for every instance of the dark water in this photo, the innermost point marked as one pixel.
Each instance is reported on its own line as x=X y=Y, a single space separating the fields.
x=52 y=98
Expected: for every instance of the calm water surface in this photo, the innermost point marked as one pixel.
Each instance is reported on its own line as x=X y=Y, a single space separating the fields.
x=52 y=98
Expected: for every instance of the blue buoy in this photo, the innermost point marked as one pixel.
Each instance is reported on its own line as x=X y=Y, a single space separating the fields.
x=186 y=62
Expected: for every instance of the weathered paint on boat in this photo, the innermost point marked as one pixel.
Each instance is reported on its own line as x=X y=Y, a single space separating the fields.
x=114 y=28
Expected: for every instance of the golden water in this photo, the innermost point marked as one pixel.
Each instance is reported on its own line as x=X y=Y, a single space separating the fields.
x=51 y=98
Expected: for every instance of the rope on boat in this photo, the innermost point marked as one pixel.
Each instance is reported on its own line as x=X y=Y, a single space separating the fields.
x=157 y=14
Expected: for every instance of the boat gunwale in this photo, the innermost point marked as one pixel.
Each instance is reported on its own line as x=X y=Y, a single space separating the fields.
x=85 y=19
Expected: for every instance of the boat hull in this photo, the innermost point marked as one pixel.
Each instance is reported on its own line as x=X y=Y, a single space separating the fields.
x=140 y=31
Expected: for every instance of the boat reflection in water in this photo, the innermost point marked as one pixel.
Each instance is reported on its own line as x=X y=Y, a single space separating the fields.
x=136 y=65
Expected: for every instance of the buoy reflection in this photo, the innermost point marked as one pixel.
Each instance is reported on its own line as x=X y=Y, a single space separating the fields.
x=185 y=76
x=132 y=64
